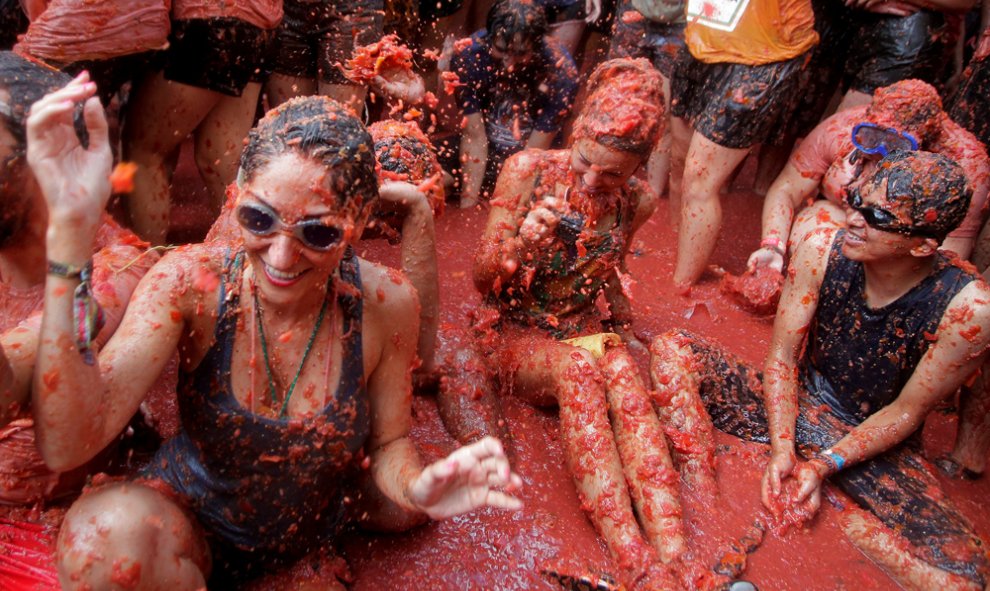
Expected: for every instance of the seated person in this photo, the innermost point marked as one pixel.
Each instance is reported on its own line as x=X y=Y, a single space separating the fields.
x=517 y=86
x=119 y=261
x=257 y=478
x=829 y=161
x=875 y=327
x=561 y=224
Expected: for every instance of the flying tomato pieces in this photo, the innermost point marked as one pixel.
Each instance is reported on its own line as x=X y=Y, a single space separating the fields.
x=122 y=177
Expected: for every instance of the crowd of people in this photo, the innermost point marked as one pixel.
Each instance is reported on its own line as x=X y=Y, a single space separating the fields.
x=316 y=124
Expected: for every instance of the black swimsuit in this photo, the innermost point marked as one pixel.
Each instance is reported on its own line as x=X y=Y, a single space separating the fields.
x=267 y=489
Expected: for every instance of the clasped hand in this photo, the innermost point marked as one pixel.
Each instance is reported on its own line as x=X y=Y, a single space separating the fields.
x=803 y=496
x=540 y=223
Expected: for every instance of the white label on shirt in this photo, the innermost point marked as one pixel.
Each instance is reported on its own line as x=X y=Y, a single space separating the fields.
x=723 y=15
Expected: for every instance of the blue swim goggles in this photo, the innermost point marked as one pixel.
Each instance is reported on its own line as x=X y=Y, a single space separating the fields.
x=871 y=138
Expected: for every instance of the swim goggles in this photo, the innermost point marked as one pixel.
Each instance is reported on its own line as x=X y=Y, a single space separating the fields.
x=871 y=138
x=262 y=221
x=880 y=218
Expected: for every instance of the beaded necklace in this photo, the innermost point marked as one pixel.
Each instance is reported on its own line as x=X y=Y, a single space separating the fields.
x=309 y=347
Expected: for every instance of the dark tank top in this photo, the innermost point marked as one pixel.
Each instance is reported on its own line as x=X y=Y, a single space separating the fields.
x=858 y=358
x=257 y=483
x=566 y=277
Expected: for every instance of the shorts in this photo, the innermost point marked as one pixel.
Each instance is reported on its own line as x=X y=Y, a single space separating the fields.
x=218 y=54
x=658 y=42
x=734 y=105
x=110 y=75
x=970 y=105
x=895 y=486
x=318 y=35
x=13 y=22
x=885 y=49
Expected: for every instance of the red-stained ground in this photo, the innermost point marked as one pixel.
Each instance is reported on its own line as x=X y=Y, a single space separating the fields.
x=492 y=550
x=489 y=550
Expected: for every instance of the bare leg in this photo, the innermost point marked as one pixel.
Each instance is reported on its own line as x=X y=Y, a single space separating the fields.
x=677 y=397
x=680 y=137
x=220 y=140
x=649 y=470
x=547 y=369
x=887 y=550
x=771 y=162
x=129 y=536
x=658 y=167
x=820 y=214
x=466 y=400
x=163 y=113
x=351 y=95
x=981 y=250
x=706 y=169
x=281 y=88
x=854 y=98
x=568 y=33
x=973 y=436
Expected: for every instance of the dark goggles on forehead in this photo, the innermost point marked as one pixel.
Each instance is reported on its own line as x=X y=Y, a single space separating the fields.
x=871 y=138
x=880 y=218
x=262 y=221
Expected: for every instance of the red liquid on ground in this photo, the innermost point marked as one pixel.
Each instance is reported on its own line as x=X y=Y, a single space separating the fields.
x=492 y=550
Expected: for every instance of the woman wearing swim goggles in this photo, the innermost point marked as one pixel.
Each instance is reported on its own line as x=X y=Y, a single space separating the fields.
x=261 y=220
x=881 y=219
x=874 y=139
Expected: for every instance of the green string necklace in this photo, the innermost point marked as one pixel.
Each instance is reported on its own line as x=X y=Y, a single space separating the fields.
x=264 y=351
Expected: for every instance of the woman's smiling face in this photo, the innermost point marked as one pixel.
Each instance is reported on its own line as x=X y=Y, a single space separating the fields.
x=295 y=189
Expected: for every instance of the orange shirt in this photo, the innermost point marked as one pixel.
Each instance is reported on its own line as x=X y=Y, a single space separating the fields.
x=750 y=32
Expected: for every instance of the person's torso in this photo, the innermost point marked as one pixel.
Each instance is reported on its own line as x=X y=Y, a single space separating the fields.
x=256 y=481
x=565 y=277
x=751 y=32
x=858 y=358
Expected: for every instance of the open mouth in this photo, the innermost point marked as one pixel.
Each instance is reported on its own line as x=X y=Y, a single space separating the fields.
x=281 y=278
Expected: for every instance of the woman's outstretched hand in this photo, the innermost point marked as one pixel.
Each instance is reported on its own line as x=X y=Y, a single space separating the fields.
x=75 y=180
x=473 y=476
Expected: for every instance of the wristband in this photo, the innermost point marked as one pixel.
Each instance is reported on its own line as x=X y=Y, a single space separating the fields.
x=834 y=460
x=69 y=271
x=773 y=243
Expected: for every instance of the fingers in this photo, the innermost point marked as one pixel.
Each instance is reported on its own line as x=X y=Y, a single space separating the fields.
x=501 y=500
x=57 y=108
x=96 y=123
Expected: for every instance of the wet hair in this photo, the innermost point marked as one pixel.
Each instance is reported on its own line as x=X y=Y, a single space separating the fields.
x=402 y=148
x=909 y=105
x=508 y=18
x=625 y=107
x=24 y=82
x=323 y=130
x=932 y=187
x=405 y=153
